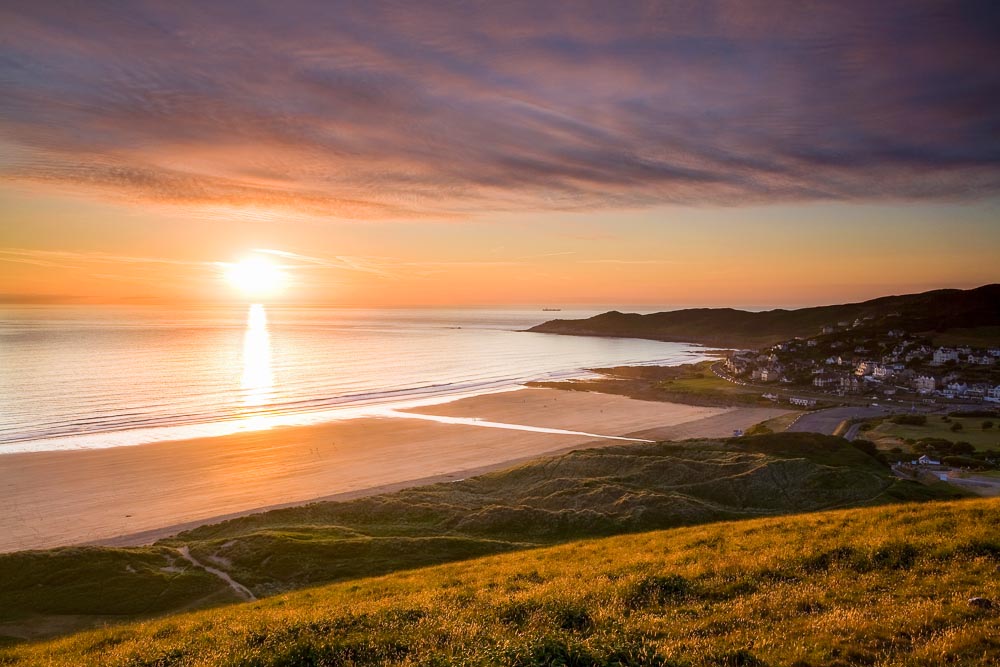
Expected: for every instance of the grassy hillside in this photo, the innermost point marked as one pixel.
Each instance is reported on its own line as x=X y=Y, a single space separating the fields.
x=939 y=310
x=877 y=586
x=588 y=493
x=972 y=431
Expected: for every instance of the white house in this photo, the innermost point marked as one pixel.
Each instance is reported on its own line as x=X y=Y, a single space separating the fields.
x=927 y=461
x=957 y=388
x=943 y=355
x=804 y=402
x=881 y=372
x=925 y=384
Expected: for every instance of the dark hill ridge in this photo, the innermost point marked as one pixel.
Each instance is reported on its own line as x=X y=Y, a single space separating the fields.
x=726 y=327
x=587 y=493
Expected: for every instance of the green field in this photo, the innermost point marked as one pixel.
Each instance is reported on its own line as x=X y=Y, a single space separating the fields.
x=585 y=494
x=701 y=382
x=972 y=431
x=880 y=586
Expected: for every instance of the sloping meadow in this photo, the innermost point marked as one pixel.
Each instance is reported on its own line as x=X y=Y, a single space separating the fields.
x=874 y=586
x=587 y=493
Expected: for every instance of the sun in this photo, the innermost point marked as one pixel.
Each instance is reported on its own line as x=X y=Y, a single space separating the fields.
x=256 y=277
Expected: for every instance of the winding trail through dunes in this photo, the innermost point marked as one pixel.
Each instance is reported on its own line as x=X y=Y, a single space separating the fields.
x=240 y=589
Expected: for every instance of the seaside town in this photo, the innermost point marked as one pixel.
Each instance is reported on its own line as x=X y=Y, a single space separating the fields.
x=860 y=358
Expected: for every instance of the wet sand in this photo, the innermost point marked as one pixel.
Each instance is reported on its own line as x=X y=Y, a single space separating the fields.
x=134 y=495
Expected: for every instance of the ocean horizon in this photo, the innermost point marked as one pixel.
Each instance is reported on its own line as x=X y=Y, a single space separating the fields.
x=85 y=377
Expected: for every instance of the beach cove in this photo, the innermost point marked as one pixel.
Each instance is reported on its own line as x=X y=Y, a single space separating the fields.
x=135 y=495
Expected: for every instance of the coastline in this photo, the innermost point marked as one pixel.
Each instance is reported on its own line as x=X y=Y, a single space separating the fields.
x=135 y=495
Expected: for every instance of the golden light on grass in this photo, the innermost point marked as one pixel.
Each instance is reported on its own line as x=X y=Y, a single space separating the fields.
x=256 y=277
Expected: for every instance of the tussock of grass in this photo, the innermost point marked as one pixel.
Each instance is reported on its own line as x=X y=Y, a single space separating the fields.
x=874 y=586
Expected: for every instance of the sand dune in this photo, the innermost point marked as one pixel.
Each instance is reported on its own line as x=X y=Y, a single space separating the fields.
x=133 y=495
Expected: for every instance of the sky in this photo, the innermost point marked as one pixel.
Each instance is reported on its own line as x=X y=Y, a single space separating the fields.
x=497 y=153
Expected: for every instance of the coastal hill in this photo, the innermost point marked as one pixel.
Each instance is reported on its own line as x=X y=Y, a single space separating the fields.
x=896 y=585
x=584 y=494
x=936 y=311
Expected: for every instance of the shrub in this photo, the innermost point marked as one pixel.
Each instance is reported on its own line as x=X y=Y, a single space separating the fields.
x=957 y=426
x=987 y=425
x=962 y=447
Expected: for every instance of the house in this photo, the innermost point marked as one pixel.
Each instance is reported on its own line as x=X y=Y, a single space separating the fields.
x=957 y=388
x=827 y=329
x=993 y=395
x=943 y=355
x=804 y=402
x=925 y=384
x=811 y=342
x=927 y=461
x=881 y=372
x=977 y=390
x=738 y=365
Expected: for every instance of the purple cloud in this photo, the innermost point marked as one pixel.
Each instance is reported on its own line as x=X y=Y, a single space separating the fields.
x=399 y=109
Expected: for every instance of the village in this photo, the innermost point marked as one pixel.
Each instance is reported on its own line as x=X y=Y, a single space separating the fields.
x=861 y=358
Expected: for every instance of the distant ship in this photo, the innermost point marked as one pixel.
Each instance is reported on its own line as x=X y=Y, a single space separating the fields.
x=551 y=310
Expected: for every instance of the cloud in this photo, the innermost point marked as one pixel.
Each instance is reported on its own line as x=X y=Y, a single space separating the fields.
x=401 y=110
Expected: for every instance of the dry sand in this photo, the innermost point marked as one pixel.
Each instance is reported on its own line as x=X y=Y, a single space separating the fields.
x=134 y=495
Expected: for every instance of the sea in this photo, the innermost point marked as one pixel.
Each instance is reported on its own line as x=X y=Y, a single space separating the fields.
x=74 y=377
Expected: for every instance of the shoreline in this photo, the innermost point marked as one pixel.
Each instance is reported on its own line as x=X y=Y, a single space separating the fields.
x=122 y=494
x=145 y=435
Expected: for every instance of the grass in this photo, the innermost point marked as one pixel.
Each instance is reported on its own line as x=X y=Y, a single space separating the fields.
x=883 y=586
x=777 y=424
x=584 y=494
x=701 y=382
x=694 y=384
x=972 y=431
x=982 y=337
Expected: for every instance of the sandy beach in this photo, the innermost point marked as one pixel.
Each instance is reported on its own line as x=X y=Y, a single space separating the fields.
x=134 y=495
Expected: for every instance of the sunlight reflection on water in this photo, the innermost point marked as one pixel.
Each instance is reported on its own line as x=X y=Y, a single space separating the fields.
x=257 y=381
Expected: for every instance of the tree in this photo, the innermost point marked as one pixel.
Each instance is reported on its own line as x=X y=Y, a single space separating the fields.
x=956 y=426
x=962 y=448
x=987 y=425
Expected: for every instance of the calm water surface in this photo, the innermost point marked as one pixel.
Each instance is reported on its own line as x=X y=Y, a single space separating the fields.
x=74 y=377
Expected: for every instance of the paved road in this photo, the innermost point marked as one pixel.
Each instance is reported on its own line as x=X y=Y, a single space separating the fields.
x=827 y=421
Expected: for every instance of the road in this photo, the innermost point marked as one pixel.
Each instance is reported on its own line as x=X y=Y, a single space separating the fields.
x=827 y=421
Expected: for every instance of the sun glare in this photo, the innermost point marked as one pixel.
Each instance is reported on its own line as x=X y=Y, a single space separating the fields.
x=256 y=277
